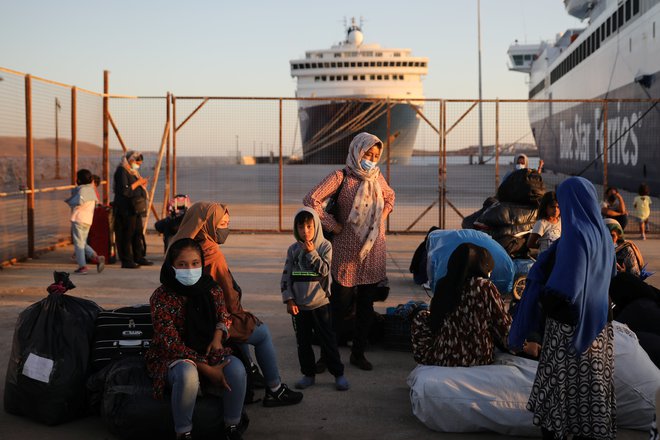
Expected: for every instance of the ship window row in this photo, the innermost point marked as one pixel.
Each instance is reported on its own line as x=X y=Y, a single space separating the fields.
x=626 y=12
x=359 y=77
x=358 y=64
x=351 y=54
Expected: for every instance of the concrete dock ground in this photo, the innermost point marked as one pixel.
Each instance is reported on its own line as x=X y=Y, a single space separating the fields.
x=376 y=407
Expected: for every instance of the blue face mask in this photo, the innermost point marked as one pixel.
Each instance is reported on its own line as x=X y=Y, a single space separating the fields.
x=367 y=165
x=188 y=277
x=519 y=166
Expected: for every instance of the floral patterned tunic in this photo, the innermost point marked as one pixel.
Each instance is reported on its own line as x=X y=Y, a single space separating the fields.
x=167 y=346
x=346 y=267
x=467 y=335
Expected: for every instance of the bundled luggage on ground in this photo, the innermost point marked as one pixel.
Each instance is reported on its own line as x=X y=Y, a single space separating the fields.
x=50 y=354
x=121 y=333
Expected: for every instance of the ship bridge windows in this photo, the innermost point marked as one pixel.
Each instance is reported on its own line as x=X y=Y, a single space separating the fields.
x=626 y=12
x=379 y=54
x=337 y=54
x=397 y=54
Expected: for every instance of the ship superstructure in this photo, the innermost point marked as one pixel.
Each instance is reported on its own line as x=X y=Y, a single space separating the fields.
x=616 y=56
x=357 y=79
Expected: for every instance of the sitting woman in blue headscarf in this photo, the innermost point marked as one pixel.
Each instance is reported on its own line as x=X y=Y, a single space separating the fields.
x=573 y=393
x=467 y=316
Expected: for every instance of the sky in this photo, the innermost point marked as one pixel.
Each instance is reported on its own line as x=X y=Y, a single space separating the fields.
x=223 y=48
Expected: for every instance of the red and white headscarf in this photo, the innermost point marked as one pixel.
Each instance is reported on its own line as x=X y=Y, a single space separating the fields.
x=367 y=210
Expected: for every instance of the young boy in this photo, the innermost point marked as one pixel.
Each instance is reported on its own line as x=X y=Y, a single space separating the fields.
x=305 y=291
x=82 y=202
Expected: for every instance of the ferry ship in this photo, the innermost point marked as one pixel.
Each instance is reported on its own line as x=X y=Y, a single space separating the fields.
x=616 y=56
x=357 y=79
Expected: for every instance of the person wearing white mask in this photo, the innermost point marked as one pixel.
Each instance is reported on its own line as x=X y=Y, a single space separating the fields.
x=191 y=326
x=359 y=262
x=129 y=206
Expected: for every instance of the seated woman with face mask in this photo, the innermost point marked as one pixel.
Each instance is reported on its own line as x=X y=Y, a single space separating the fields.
x=208 y=224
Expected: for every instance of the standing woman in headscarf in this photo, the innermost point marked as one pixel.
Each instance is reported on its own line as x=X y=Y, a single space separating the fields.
x=128 y=208
x=359 y=260
x=467 y=315
x=208 y=224
x=573 y=393
x=191 y=326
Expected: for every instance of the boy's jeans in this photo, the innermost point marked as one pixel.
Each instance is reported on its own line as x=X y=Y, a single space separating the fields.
x=79 y=232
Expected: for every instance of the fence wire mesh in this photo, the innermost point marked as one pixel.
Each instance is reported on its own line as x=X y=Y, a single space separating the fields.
x=260 y=156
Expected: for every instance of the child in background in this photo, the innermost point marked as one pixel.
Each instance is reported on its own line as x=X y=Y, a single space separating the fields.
x=82 y=202
x=642 y=205
x=305 y=291
x=547 y=228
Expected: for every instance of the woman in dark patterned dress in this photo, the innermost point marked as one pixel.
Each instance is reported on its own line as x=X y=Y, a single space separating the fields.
x=191 y=325
x=467 y=315
x=573 y=393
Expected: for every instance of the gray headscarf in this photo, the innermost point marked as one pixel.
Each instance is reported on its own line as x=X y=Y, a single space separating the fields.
x=367 y=210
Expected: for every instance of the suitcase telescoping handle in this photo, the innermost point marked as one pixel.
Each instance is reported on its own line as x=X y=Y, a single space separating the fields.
x=130 y=343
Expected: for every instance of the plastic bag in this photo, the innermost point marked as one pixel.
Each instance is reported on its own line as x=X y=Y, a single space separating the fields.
x=442 y=243
x=50 y=356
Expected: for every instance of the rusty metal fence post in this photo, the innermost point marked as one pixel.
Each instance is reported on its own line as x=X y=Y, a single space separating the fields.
x=387 y=134
x=442 y=168
x=606 y=145
x=29 y=164
x=106 y=139
x=174 y=130
x=166 y=192
x=497 y=144
x=74 y=136
x=281 y=172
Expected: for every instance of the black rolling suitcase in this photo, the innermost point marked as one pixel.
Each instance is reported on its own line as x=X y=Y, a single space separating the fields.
x=121 y=333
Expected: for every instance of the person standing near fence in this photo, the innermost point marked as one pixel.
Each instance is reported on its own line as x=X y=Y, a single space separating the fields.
x=82 y=202
x=359 y=262
x=129 y=206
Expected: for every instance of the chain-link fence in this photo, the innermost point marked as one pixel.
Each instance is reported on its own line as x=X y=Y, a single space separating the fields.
x=261 y=156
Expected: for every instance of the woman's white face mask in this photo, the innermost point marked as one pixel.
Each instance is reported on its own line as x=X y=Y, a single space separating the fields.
x=188 y=277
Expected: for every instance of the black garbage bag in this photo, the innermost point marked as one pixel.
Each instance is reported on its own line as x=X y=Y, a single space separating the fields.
x=505 y=218
x=131 y=412
x=49 y=360
x=468 y=222
x=522 y=186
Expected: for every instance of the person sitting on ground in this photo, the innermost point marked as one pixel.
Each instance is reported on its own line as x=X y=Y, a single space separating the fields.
x=614 y=207
x=547 y=228
x=628 y=257
x=642 y=205
x=305 y=291
x=83 y=202
x=467 y=316
x=208 y=224
x=191 y=327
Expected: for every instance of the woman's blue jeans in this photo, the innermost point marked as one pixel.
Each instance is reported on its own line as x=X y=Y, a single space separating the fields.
x=265 y=352
x=184 y=379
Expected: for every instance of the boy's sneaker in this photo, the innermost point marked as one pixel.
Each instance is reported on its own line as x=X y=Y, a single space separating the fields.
x=100 y=263
x=282 y=396
x=81 y=270
x=305 y=382
x=341 y=383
